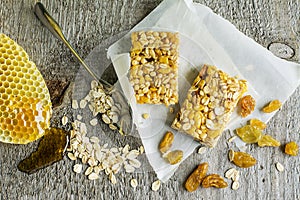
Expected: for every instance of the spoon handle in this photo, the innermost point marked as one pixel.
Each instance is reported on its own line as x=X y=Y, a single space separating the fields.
x=42 y=14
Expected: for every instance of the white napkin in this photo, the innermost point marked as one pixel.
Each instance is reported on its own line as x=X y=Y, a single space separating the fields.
x=204 y=38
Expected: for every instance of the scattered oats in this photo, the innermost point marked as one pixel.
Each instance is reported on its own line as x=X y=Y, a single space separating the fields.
x=132 y=154
x=85 y=140
x=77 y=168
x=235 y=185
x=64 y=120
x=231 y=139
x=79 y=117
x=94 y=122
x=141 y=149
x=279 y=167
x=133 y=183
x=94 y=139
x=126 y=149
x=84 y=159
x=155 y=185
x=128 y=168
x=74 y=104
x=202 y=150
x=116 y=168
x=93 y=176
x=82 y=103
x=135 y=163
x=112 y=178
x=114 y=150
x=83 y=128
x=229 y=173
x=92 y=162
x=145 y=115
x=236 y=176
x=112 y=127
x=71 y=156
x=97 y=169
x=88 y=171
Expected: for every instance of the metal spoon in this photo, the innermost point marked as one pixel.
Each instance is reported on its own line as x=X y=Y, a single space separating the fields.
x=125 y=123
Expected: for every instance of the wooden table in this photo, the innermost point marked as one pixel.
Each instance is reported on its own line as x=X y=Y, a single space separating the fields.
x=86 y=24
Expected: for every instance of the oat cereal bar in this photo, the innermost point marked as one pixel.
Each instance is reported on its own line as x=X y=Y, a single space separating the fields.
x=209 y=104
x=154 y=67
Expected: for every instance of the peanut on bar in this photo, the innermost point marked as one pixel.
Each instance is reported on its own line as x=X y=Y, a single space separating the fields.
x=154 y=67
x=209 y=104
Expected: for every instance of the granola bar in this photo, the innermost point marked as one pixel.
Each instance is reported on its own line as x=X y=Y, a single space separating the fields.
x=154 y=67
x=209 y=104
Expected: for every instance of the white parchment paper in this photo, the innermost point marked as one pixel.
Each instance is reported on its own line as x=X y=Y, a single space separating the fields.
x=205 y=37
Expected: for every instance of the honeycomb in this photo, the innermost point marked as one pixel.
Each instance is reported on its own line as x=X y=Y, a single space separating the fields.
x=25 y=105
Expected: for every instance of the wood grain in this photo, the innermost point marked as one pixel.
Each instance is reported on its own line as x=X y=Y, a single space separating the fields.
x=86 y=23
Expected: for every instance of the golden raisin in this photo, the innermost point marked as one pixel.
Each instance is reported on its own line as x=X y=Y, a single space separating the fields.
x=272 y=106
x=257 y=124
x=247 y=105
x=196 y=177
x=291 y=148
x=269 y=141
x=214 y=180
x=174 y=157
x=241 y=159
x=166 y=142
x=249 y=134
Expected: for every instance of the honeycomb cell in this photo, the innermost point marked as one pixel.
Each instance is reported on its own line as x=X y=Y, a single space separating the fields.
x=16 y=80
x=8 y=62
x=25 y=106
x=3 y=78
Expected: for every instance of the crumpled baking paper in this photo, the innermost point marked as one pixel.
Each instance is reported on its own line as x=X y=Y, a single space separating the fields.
x=205 y=37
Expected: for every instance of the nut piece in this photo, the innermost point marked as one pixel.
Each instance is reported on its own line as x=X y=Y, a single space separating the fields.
x=196 y=177
x=208 y=105
x=174 y=157
x=156 y=185
x=166 y=142
x=291 y=149
x=272 y=106
x=214 y=180
x=241 y=159
x=247 y=105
